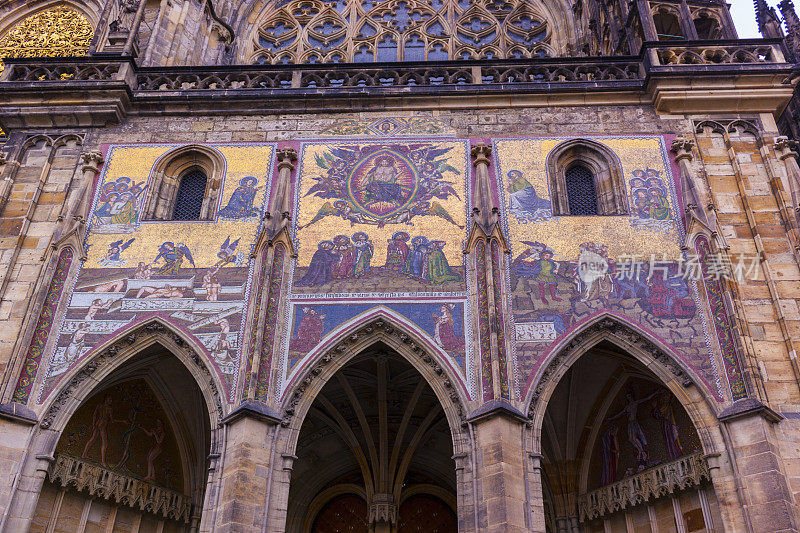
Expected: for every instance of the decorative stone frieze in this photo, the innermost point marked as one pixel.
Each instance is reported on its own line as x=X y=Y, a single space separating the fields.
x=652 y=483
x=99 y=482
x=105 y=356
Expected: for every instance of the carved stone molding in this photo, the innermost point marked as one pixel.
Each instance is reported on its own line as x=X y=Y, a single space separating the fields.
x=619 y=331
x=382 y=508
x=99 y=482
x=91 y=161
x=379 y=325
x=480 y=154
x=108 y=355
x=682 y=148
x=654 y=482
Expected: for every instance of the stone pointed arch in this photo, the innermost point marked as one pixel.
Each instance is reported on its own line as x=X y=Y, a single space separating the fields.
x=606 y=170
x=377 y=325
x=170 y=168
x=675 y=375
x=19 y=10
x=79 y=383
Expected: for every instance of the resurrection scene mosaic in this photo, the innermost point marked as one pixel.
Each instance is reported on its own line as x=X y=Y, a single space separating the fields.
x=193 y=274
x=564 y=270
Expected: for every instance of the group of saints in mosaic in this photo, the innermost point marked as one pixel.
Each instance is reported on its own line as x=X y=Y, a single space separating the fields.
x=380 y=224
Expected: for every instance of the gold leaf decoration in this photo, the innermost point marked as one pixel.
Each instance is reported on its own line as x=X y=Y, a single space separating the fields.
x=57 y=32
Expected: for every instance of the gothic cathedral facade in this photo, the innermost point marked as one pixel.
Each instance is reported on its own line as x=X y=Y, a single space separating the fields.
x=398 y=265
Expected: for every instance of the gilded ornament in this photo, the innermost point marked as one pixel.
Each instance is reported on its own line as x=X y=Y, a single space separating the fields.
x=58 y=32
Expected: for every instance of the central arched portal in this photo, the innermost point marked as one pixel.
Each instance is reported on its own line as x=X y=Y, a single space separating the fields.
x=374 y=453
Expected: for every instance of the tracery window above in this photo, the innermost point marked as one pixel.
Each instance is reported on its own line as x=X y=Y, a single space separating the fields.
x=56 y=32
x=356 y=31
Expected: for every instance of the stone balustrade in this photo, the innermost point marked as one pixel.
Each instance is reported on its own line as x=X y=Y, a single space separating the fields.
x=654 y=482
x=70 y=472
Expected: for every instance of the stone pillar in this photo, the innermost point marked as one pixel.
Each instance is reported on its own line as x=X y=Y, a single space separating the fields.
x=282 y=201
x=498 y=430
x=382 y=513
x=748 y=428
x=536 y=521
x=246 y=465
x=80 y=200
x=482 y=202
x=785 y=149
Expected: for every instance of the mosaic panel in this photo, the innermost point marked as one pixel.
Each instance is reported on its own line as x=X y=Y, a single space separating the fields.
x=567 y=269
x=193 y=274
x=443 y=320
x=380 y=222
x=43 y=326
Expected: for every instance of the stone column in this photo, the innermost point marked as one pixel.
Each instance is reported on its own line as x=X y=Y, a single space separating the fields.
x=482 y=204
x=246 y=464
x=80 y=200
x=498 y=430
x=786 y=150
x=282 y=201
x=748 y=428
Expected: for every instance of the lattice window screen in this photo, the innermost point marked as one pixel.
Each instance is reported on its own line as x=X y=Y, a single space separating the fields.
x=581 y=193
x=189 y=200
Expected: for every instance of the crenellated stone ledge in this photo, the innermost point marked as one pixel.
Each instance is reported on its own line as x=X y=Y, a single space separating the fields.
x=666 y=478
x=70 y=472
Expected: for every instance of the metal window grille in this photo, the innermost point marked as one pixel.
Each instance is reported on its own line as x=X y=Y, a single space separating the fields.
x=581 y=195
x=189 y=200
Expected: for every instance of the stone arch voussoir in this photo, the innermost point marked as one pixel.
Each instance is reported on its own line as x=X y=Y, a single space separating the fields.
x=410 y=344
x=667 y=367
x=81 y=382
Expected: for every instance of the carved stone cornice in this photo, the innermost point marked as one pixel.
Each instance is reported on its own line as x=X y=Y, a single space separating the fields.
x=379 y=325
x=109 y=354
x=618 y=330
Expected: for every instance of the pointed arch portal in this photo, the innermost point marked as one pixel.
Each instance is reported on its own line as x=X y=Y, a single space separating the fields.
x=619 y=436
x=375 y=434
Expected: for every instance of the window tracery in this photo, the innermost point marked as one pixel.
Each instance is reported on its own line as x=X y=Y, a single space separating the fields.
x=56 y=32
x=343 y=31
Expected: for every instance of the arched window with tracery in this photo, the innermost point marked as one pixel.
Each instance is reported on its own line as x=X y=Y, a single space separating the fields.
x=345 y=31
x=668 y=25
x=185 y=185
x=586 y=179
x=707 y=26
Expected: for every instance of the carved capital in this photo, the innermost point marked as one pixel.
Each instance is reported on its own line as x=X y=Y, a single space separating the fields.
x=682 y=148
x=480 y=154
x=382 y=508
x=222 y=32
x=91 y=161
x=785 y=147
x=287 y=158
